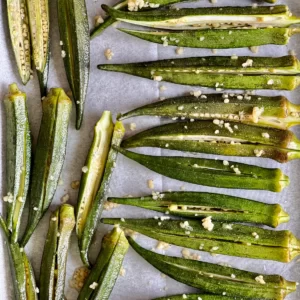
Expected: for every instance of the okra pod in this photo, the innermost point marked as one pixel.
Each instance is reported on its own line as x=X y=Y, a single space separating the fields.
x=104 y=274
x=49 y=156
x=20 y=36
x=199 y=205
x=21 y=269
x=209 y=17
x=221 y=138
x=18 y=154
x=54 y=261
x=211 y=172
x=216 y=279
x=220 y=72
x=198 y=297
x=86 y=232
x=75 y=45
x=43 y=77
x=276 y=112
x=227 y=38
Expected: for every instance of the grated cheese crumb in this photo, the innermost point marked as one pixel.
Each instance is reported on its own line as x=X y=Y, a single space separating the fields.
x=188 y=255
x=110 y=205
x=93 y=285
x=108 y=54
x=98 y=20
x=265 y=135
x=162 y=245
x=207 y=223
x=260 y=279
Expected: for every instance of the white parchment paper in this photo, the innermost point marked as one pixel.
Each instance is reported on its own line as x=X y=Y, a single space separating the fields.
x=119 y=93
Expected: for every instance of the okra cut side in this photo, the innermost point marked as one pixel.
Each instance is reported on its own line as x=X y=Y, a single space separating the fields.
x=209 y=17
x=217 y=237
x=49 y=156
x=54 y=261
x=210 y=172
x=219 y=72
x=198 y=205
x=216 y=279
x=221 y=138
x=75 y=50
x=18 y=157
x=275 y=112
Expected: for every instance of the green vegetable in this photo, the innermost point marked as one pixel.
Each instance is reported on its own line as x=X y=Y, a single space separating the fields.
x=75 y=45
x=87 y=230
x=104 y=274
x=18 y=156
x=220 y=207
x=209 y=17
x=220 y=72
x=49 y=156
x=220 y=138
x=54 y=261
x=227 y=38
x=20 y=36
x=218 y=237
x=198 y=297
x=21 y=269
x=211 y=172
x=275 y=112
x=43 y=77
x=216 y=279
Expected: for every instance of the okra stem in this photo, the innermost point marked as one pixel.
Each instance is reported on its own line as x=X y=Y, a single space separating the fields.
x=210 y=172
x=276 y=112
x=199 y=205
x=49 y=156
x=216 y=279
x=18 y=153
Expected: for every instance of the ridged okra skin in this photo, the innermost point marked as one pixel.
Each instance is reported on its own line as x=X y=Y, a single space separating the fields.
x=216 y=279
x=197 y=205
x=18 y=154
x=222 y=138
x=49 y=156
x=210 y=172
x=275 y=112
x=75 y=40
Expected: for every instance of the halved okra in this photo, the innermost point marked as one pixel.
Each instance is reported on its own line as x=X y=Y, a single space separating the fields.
x=199 y=205
x=220 y=72
x=211 y=172
x=49 y=156
x=221 y=138
x=217 y=237
x=87 y=223
x=18 y=154
x=54 y=261
x=104 y=274
x=226 y=38
x=216 y=279
x=209 y=17
x=75 y=45
x=198 y=297
x=21 y=269
x=275 y=112
x=20 y=36
x=38 y=13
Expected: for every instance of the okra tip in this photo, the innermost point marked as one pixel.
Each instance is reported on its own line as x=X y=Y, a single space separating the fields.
x=13 y=89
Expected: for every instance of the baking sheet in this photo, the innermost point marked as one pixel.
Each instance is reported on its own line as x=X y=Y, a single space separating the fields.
x=119 y=93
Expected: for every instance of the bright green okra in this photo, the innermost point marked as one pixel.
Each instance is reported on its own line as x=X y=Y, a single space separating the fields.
x=216 y=279
x=220 y=72
x=198 y=297
x=49 y=156
x=218 y=237
x=220 y=207
x=209 y=17
x=20 y=36
x=90 y=225
x=211 y=172
x=104 y=274
x=221 y=138
x=75 y=45
x=54 y=261
x=227 y=38
x=18 y=154
x=21 y=269
x=276 y=112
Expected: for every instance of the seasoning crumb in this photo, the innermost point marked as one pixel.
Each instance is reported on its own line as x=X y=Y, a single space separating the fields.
x=75 y=184
x=122 y=272
x=108 y=54
x=110 y=205
x=98 y=20
x=132 y=126
x=188 y=255
x=150 y=183
x=179 y=50
x=162 y=245
x=260 y=279
x=93 y=285
x=84 y=169
x=207 y=223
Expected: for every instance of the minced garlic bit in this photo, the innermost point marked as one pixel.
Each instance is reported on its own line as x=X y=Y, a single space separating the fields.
x=162 y=245
x=188 y=255
x=237 y=171
x=63 y=53
x=150 y=183
x=214 y=248
x=8 y=198
x=186 y=225
x=79 y=276
x=53 y=219
x=232 y=276
x=196 y=94
x=129 y=232
x=157 y=78
x=256 y=113
x=84 y=169
x=225 y=163
x=260 y=279
x=258 y=153
x=270 y=82
x=184 y=296
x=254 y=49
x=227 y=226
x=256 y=236
x=93 y=285
x=98 y=20
x=135 y=5
x=207 y=223
x=108 y=54
x=122 y=272
x=265 y=135
x=132 y=126
x=179 y=50
x=36 y=208
x=248 y=63
x=75 y=184
x=65 y=198
x=110 y=205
